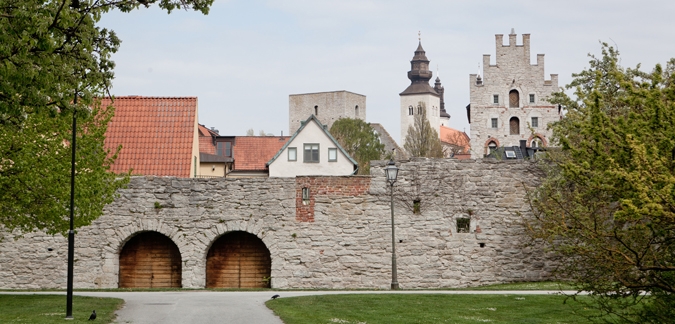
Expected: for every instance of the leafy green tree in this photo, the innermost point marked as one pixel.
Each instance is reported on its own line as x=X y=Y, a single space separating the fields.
x=422 y=140
x=50 y=50
x=607 y=203
x=359 y=140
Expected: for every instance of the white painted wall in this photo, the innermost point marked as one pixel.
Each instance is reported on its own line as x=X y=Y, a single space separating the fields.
x=311 y=134
x=433 y=104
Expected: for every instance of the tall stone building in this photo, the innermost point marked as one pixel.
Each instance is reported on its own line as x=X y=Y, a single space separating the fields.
x=326 y=106
x=510 y=98
x=418 y=92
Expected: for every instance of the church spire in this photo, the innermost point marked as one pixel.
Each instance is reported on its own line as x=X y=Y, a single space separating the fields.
x=419 y=73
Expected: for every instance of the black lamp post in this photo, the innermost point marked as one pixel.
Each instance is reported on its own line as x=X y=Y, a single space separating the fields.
x=391 y=171
x=71 y=232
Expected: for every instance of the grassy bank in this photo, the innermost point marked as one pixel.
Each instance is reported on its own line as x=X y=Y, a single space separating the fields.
x=52 y=308
x=407 y=308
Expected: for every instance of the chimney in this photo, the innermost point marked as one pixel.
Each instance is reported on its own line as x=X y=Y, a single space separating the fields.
x=523 y=148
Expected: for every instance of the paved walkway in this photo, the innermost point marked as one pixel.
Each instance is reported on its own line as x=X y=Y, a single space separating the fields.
x=233 y=307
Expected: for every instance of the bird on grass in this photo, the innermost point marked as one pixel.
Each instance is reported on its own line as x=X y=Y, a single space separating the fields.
x=93 y=315
x=275 y=296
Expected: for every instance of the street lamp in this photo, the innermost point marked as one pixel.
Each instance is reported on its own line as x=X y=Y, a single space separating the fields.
x=71 y=232
x=391 y=171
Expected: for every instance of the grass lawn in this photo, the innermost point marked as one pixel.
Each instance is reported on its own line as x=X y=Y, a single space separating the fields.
x=538 y=285
x=413 y=308
x=52 y=308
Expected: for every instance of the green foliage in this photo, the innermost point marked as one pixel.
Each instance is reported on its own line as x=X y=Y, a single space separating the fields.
x=359 y=140
x=50 y=50
x=422 y=140
x=607 y=205
x=429 y=308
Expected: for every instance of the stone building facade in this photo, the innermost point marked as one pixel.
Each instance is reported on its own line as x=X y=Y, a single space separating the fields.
x=326 y=106
x=338 y=236
x=510 y=98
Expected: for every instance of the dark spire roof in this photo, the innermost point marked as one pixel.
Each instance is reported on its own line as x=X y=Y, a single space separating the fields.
x=440 y=90
x=419 y=74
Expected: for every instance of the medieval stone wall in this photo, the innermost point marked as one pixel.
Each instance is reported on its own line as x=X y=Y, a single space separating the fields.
x=330 y=106
x=512 y=71
x=342 y=241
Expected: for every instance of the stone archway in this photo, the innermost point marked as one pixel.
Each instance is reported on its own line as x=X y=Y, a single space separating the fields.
x=150 y=260
x=238 y=260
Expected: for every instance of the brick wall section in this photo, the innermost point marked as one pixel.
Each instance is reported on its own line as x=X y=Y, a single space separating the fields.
x=330 y=187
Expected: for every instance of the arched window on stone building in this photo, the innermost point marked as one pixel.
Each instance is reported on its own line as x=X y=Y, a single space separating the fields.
x=514 y=99
x=411 y=110
x=356 y=111
x=514 y=125
x=316 y=110
x=491 y=147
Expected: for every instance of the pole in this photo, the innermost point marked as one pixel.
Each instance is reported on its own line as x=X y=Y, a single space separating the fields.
x=394 y=276
x=71 y=232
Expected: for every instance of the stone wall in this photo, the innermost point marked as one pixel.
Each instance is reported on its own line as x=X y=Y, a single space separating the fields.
x=345 y=242
x=330 y=106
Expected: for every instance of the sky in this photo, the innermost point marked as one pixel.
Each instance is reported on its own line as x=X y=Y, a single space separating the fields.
x=246 y=57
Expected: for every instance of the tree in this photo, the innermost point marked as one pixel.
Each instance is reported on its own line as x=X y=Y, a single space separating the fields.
x=49 y=51
x=422 y=140
x=607 y=203
x=359 y=140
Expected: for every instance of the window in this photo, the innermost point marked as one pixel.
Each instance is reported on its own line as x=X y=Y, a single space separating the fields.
x=419 y=110
x=311 y=153
x=536 y=142
x=495 y=99
x=305 y=196
x=411 y=110
x=492 y=147
x=495 y=122
x=514 y=125
x=228 y=149
x=292 y=153
x=316 y=110
x=535 y=122
x=224 y=149
x=332 y=154
x=463 y=225
x=417 y=204
x=514 y=99
x=531 y=97
x=356 y=111
x=510 y=154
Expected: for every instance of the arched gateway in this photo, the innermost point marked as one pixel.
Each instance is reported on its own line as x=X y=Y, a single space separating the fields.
x=238 y=260
x=150 y=260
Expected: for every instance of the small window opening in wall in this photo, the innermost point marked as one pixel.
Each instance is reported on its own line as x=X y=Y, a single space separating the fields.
x=305 y=196
x=411 y=110
x=494 y=122
x=481 y=244
x=356 y=111
x=531 y=98
x=535 y=122
x=419 y=110
x=316 y=110
x=416 y=206
x=495 y=99
x=514 y=99
x=463 y=225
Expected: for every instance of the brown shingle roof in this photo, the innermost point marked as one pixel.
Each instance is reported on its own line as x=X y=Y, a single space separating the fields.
x=156 y=134
x=251 y=153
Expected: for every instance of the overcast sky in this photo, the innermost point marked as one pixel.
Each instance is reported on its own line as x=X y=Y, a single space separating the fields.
x=245 y=57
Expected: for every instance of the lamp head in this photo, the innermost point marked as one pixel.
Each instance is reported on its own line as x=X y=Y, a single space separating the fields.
x=391 y=171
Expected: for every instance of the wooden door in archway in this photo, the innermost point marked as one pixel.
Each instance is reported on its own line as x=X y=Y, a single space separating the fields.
x=150 y=260
x=238 y=260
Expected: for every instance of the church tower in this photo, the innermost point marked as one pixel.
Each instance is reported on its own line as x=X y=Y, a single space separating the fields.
x=418 y=92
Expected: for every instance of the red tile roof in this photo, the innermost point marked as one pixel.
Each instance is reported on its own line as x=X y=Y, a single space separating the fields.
x=156 y=134
x=455 y=137
x=251 y=153
x=206 y=140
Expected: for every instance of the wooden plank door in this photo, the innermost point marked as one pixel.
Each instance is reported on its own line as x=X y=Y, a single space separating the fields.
x=150 y=260
x=238 y=260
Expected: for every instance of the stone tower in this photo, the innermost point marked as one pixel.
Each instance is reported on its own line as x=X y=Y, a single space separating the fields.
x=419 y=91
x=510 y=99
x=326 y=106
